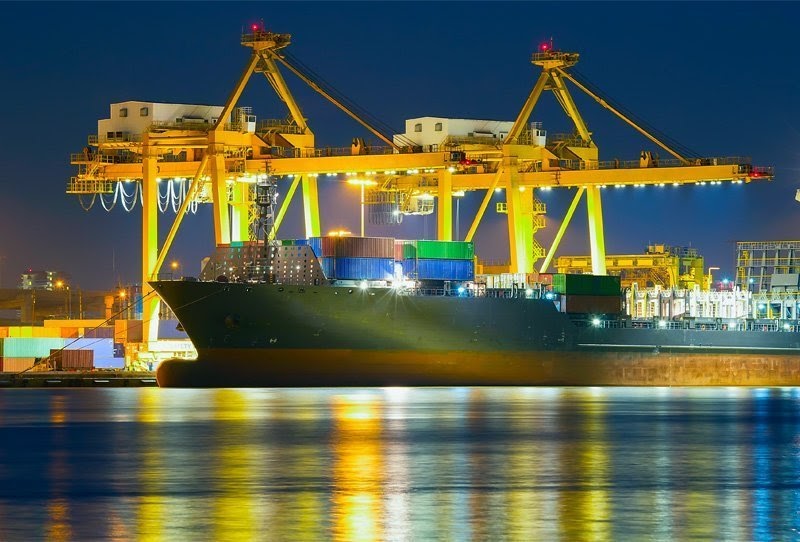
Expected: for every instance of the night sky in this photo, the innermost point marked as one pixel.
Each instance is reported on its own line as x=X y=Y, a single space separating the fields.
x=721 y=78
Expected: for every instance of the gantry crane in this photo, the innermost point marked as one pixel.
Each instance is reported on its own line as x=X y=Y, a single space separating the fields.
x=226 y=159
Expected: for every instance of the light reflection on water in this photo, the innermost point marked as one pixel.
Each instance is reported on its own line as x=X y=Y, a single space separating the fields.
x=400 y=464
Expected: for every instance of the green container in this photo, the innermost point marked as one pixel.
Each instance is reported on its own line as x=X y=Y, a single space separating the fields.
x=237 y=243
x=596 y=285
x=29 y=347
x=439 y=250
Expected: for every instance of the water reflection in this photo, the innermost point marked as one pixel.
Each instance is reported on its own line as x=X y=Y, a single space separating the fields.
x=399 y=464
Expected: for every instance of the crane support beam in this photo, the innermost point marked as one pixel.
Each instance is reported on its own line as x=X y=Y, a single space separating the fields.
x=287 y=199
x=219 y=189
x=275 y=79
x=444 y=203
x=597 y=242
x=733 y=171
x=230 y=103
x=191 y=194
x=614 y=110
x=485 y=203
x=337 y=103
x=527 y=109
x=520 y=226
x=311 y=207
x=566 y=101
x=562 y=228
x=149 y=188
x=240 y=209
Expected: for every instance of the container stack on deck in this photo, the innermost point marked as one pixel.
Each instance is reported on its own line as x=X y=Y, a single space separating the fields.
x=587 y=294
x=355 y=258
x=436 y=260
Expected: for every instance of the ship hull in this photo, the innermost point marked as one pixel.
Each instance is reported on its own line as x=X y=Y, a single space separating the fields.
x=315 y=368
x=275 y=336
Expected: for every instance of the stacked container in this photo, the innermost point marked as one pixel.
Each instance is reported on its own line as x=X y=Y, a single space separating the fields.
x=355 y=258
x=588 y=294
x=72 y=360
x=437 y=260
x=19 y=353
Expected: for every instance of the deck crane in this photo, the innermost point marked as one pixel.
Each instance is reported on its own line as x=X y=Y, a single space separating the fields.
x=224 y=161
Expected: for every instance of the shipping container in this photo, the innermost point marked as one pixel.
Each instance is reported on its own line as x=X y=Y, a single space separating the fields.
x=119 y=350
x=15 y=365
x=128 y=331
x=438 y=269
x=28 y=347
x=353 y=247
x=3 y=332
x=316 y=245
x=439 y=250
x=102 y=348
x=586 y=284
x=168 y=329
x=68 y=332
x=358 y=268
x=72 y=360
x=294 y=242
x=591 y=304
x=104 y=332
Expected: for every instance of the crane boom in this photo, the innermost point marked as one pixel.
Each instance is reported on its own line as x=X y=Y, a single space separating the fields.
x=336 y=102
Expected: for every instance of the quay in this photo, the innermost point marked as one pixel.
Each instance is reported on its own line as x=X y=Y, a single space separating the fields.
x=79 y=379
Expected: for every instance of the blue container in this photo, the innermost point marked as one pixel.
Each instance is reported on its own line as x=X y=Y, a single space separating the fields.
x=102 y=348
x=358 y=268
x=430 y=269
x=316 y=245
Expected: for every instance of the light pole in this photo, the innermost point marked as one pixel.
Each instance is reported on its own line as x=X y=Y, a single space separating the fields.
x=175 y=265
x=710 y=278
x=458 y=195
x=362 y=183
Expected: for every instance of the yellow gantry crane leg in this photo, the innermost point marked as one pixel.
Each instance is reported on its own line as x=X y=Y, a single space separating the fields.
x=484 y=203
x=311 y=206
x=520 y=226
x=597 y=244
x=150 y=302
x=240 y=209
x=561 y=230
x=219 y=189
x=444 y=211
x=287 y=199
x=279 y=85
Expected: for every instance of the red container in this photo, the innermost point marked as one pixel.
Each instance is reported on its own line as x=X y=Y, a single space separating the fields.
x=72 y=360
x=357 y=247
x=591 y=304
x=398 y=250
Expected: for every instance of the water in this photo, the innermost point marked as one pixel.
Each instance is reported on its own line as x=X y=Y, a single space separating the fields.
x=400 y=464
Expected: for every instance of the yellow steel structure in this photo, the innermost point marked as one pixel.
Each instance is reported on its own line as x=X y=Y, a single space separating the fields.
x=660 y=265
x=229 y=158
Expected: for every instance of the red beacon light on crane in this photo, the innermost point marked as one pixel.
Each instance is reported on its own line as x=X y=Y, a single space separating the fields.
x=544 y=47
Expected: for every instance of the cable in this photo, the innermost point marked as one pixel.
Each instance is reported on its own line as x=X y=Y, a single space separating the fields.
x=687 y=152
x=373 y=120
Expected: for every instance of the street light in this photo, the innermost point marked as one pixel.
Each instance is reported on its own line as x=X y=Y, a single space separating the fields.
x=458 y=195
x=362 y=183
x=175 y=265
x=710 y=279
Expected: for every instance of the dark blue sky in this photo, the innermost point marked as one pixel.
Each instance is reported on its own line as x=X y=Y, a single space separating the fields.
x=721 y=78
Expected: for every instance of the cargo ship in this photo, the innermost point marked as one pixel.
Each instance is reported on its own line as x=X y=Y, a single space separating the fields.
x=380 y=312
